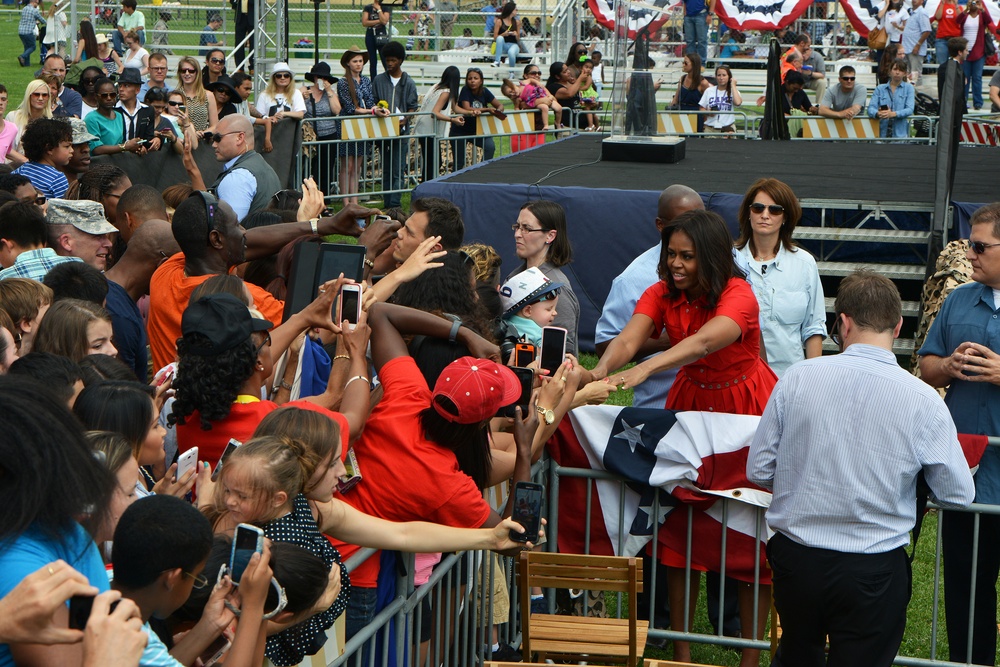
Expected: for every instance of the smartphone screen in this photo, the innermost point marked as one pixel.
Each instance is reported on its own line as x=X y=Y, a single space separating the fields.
x=350 y=304
x=527 y=378
x=553 y=348
x=248 y=541
x=524 y=354
x=79 y=611
x=337 y=258
x=230 y=448
x=527 y=511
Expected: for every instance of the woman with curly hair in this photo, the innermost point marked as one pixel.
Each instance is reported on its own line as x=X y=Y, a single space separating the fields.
x=224 y=360
x=104 y=183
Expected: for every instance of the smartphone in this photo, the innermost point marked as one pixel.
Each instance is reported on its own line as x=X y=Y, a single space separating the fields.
x=527 y=511
x=80 y=607
x=230 y=448
x=527 y=378
x=215 y=651
x=353 y=473
x=884 y=107
x=247 y=541
x=524 y=354
x=186 y=461
x=337 y=258
x=383 y=217
x=182 y=108
x=553 y=348
x=349 y=305
x=142 y=142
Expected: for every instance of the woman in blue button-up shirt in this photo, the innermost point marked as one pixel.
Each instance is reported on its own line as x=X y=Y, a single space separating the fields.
x=784 y=277
x=892 y=102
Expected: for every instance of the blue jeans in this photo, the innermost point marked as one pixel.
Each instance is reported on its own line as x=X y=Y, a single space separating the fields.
x=360 y=612
x=696 y=35
x=973 y=70
x=510 y=48
x=29 y=46
x=941 y=51
x=393 y=155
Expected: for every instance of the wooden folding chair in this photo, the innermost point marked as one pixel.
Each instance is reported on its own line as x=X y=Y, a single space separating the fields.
x=596 y=640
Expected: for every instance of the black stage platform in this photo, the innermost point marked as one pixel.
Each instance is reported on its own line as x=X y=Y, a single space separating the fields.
x=610 y=206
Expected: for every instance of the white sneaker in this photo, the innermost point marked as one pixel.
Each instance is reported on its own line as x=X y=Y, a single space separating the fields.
x=494 y=64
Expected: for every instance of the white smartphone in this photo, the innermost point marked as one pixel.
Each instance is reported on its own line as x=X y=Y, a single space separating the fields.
x=185 y=462
x=553 y=349
x=349 y=305
x=230 y=448
x=247 y=541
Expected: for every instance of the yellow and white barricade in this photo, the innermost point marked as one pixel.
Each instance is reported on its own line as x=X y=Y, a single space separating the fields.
x=677 y=123
x=369 y=127
x=514 y=123
x=840 y=128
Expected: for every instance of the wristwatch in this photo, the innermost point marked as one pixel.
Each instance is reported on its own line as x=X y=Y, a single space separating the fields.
x=546 y=414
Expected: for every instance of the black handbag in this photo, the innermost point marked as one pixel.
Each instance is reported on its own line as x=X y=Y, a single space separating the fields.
x=381 y=36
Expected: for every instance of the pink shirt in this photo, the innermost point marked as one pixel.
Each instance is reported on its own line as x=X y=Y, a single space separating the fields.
x=7 y=137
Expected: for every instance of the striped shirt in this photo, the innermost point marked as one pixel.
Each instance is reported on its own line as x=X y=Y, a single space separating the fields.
x=50 y=181
x=841 y=443
x=34 y=264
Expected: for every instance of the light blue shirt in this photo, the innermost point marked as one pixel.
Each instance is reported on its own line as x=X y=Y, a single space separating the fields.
x=527 y=329
x=916 y=25
x=969 y=314
x=792 y=309
x=156 y=654
x=238 y=189
x=841 y=443
x=618 y=310
x=902 y=103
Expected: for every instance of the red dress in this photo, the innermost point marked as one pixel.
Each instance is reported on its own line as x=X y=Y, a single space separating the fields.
x=734 y=379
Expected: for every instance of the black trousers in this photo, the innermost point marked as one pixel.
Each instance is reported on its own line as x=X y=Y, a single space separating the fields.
x=859 y=600
x=957 y=550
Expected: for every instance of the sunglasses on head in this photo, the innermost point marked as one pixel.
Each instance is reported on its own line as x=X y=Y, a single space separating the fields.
x=773 y=209
x=474 y=69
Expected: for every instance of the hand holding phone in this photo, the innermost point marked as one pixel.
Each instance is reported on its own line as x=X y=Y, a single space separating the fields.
x=553 y=348
x=185 y=463
x=231 y=447
x=247 y=541
x=349 y=305
x=527 y=511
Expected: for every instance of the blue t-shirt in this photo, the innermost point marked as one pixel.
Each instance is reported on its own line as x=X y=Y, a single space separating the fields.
x=129 y=330
x=33 y=550
x=50 y=181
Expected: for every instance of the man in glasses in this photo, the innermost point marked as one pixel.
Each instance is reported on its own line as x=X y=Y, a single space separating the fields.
x=960 y=353
x=157 y=75
x=246 y=182
x=209 y=36
x=844 y=478
x=844 y=99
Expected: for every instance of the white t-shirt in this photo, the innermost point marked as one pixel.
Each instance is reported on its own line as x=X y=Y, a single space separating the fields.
x=899 y=17
x=970 y=30
x=715 y=100
x=268 y=107
x=134 y=60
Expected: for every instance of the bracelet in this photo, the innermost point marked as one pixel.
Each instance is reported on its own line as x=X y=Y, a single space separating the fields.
x=373 y=111
x=122 y=147
x=342 y=356
x=370 y=264
x=314 y=226
x=453 y=334
x=357 y=377
x=281 y=385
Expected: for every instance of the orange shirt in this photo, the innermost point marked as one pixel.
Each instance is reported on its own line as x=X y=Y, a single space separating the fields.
x=169 y=293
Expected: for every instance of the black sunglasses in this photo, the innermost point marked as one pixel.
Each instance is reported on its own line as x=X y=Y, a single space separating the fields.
x=218 y=61
x=847 y=78
x=263 y=343
x=211 y=204
x=773 y=209
x=979 y=247
x=835 y=331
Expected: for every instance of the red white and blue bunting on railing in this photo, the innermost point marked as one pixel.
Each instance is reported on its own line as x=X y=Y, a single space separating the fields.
x=752 y=14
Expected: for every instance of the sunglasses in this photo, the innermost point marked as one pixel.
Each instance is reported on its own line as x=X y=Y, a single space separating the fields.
x=175 y=104
x=217 y=61
x=187 y=71
x=474 y=69
x=107 y=96
x=534 y=72
x=211 y=204
x=847 y=78
x=39 y=200
x=282 y=75
x=835 y=332
x=216 y=137
x=773 y=209
x=264 y=343
x=979 y=247
x=40 y=95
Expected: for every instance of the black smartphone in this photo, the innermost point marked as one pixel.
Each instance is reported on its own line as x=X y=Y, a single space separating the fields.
x=80 y=607
x=553 y=348
x=337 y=258
x=230 y=448
x=527 y=511
x=247 y=541
x=884 y=107
x=524 y=354
x=527 y=378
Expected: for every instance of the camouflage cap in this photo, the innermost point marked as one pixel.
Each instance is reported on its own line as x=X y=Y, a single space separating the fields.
x=81 y=134
x=84 y=214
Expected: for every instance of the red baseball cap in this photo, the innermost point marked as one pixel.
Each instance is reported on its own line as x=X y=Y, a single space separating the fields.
x=477 y=388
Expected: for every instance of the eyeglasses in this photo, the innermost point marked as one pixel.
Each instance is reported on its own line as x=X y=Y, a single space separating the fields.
x=187 y=71
x=211 y=204
x=200 y=580
x=159 y=68
x=979 y=247
x=773 y=209
x=216 y=137
x=217 y=61
x=264 y=343
x=524 y=229
x=281 y=75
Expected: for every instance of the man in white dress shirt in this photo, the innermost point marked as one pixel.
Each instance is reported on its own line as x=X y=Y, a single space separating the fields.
x=841 y=443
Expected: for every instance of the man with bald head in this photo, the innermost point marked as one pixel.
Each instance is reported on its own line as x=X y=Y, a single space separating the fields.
x=247 y=182
x=629 y=286
x=128 y=281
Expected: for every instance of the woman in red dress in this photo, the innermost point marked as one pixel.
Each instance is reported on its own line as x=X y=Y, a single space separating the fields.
x=710 y=315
